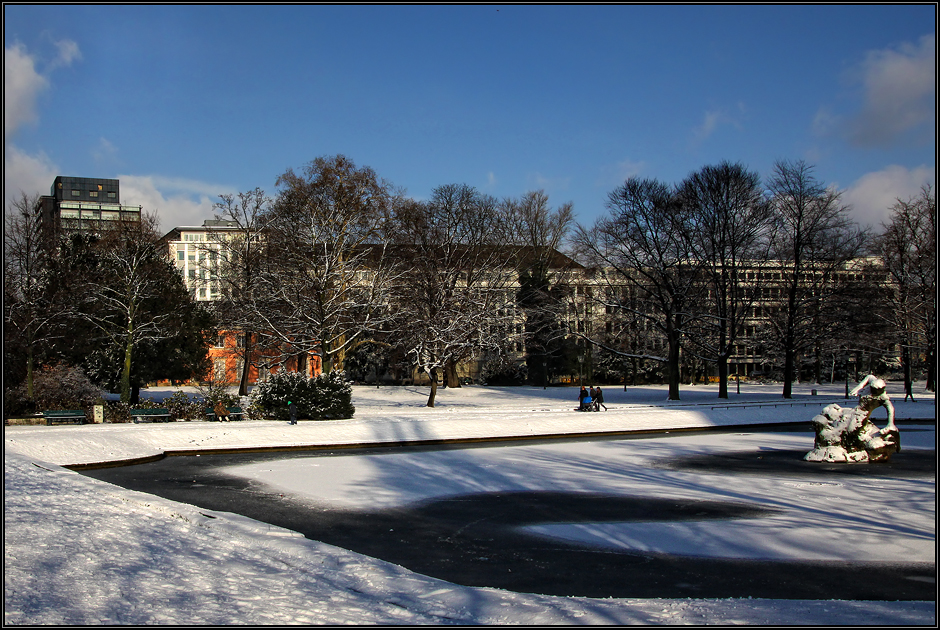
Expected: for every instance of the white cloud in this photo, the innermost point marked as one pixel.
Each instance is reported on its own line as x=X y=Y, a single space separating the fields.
x=68 y=52
x=714 y=118
x=175 y=201
x=900 y=90
x=31 y=174
x=709 y=124
x=873 y=194
x=22 y=84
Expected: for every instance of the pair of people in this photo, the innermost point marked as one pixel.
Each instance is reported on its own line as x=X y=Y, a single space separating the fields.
x=591 y=400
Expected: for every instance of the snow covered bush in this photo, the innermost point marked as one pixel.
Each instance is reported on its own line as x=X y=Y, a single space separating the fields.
x=324 y=397
x=55 y=387
x=185 y=408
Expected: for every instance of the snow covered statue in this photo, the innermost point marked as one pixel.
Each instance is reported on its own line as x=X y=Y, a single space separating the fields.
x=849 y=435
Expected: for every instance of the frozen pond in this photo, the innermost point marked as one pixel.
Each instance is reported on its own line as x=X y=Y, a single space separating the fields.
x=886 y=517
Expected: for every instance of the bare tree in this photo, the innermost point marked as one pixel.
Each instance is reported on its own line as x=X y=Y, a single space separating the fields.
x=457 y=298
x=908 y=249
x=813 y=239
x=234 y=256
x=645 y=244
x=325 y=287
x=730 y=227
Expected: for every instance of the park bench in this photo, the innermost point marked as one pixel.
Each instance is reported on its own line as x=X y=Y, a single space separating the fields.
x=234 y=413
x=160 y=414
x=64 y=416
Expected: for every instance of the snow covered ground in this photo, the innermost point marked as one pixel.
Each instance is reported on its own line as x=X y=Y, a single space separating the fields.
x=81 y=551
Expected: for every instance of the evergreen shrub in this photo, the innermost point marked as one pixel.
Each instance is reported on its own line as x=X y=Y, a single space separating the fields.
x=324 y=397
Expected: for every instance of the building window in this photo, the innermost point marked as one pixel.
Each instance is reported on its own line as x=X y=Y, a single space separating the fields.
x=76 y=193
x=180 y=255
x=112 y=195
x=93 y=193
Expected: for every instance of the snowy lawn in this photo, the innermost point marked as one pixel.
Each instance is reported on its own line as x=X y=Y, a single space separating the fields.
x=81 y=551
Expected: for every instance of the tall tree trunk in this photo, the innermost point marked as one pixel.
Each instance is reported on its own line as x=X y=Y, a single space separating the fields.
x=672 y=366
x=126 y=370
x=246 y=366
x=931 y=370
x=450 y=374
x=433 y=375
x=788 y=362
x=817 y=365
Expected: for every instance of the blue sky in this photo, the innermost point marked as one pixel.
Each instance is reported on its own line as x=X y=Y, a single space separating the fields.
x=183 y=103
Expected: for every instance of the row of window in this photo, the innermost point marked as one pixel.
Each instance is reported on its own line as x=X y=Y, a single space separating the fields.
x=94 y=194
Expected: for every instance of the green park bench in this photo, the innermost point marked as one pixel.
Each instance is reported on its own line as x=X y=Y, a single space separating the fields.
x=64 y=416
x=234 y=413
x=159 y=414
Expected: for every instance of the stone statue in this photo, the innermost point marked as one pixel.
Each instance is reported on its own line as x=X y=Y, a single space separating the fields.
x=849 y=435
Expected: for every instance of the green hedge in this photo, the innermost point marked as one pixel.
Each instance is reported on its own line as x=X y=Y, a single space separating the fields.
x=324 y=397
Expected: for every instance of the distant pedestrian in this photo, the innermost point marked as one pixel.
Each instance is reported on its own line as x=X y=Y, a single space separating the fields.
x=583 y=398
x=909 y=390
x=292 y=408
x=221 y=413
x=599 y=399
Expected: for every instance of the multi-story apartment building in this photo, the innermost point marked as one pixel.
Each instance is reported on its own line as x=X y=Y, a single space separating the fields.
x=83 y=204
x=196 y=252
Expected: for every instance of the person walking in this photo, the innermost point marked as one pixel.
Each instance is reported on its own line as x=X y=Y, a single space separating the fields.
x=582 y=395
x=292 y=408
x=599 y=399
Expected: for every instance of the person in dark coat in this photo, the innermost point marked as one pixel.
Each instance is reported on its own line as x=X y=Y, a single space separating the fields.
x=599 y=399
x=582 y=395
